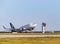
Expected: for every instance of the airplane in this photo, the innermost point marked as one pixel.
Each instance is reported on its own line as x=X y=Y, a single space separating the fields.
x=25 y=28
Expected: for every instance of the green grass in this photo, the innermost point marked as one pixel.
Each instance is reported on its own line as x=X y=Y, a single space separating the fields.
x=36 y=40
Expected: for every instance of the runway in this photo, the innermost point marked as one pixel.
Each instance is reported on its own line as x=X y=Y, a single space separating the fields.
x=12 y=36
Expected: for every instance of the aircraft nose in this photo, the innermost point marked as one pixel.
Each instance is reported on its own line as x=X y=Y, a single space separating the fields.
x=33 y=25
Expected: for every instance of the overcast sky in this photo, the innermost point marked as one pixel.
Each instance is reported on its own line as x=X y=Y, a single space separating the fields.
x=21 y=12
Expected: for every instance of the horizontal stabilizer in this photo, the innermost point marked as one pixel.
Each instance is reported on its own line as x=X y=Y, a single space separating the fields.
x=4 y=27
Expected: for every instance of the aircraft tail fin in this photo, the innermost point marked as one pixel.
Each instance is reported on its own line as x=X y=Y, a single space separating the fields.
x=12 y=26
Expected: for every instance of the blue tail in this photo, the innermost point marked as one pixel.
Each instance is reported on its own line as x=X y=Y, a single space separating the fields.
x=12 y=27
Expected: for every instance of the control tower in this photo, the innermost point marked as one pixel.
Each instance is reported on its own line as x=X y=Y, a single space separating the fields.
x=43 y=27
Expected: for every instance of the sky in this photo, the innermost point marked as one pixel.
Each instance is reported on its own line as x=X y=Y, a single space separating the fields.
x=21 y=12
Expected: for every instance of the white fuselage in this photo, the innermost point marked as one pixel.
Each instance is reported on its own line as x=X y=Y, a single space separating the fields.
x=28 y=26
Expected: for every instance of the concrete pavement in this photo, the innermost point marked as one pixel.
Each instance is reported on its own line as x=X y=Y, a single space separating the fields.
x=11 y=36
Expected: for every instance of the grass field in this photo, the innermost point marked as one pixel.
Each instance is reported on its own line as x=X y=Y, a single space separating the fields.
x=30 y=40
